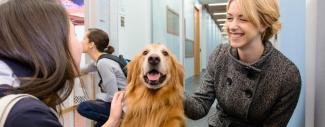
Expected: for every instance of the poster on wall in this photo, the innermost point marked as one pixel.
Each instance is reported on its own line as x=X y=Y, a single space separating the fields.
x=189 y=48
x=172 y=22
x=75 y=9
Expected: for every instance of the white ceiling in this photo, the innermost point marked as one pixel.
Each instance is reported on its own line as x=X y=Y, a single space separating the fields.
x=212 y=1
x=216 y=9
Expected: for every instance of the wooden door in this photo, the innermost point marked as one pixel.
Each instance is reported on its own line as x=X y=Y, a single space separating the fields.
x=197 y=49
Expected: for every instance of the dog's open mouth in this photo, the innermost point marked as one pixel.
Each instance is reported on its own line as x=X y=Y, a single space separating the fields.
x=154 y=77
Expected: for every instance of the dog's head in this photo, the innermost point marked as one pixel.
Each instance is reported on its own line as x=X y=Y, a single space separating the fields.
x=155 y=67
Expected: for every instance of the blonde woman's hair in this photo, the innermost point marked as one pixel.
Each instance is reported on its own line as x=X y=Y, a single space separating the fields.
x=262 y=13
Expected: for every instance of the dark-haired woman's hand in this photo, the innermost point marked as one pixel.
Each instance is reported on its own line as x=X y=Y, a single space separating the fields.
x=116 y=110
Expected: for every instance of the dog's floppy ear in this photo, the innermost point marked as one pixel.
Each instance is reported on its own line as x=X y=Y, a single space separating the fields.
x=134 y=67
x=180 y=73
x=177 y=71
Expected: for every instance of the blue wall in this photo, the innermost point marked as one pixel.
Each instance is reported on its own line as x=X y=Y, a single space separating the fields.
x=137 y=31
x=292 y=44
x=210 y=37
x=159 y=28
x=189 y=22
x=209 y=33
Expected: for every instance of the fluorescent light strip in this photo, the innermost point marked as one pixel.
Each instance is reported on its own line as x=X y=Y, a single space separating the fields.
x=220 y=13
x=221 y=20
x=3 y=1
x=218 y=4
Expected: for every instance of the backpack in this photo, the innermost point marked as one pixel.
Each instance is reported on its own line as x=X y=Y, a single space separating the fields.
x=118 y=59
x=8 y=102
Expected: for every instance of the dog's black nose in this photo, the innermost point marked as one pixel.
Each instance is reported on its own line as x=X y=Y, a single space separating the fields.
x=154 y=59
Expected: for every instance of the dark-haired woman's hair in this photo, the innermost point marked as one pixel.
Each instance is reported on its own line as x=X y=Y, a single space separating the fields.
x=101 y=40
x=36 y=33
x=109 y=49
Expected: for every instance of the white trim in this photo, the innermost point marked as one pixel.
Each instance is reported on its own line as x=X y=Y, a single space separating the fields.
x=114 y=23
x=3 y=1
x=311 y=21
x=182 y=36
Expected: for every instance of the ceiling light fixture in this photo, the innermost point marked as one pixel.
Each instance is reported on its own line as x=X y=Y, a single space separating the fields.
x=218 y=4
x=221 y=20
x=220 y=13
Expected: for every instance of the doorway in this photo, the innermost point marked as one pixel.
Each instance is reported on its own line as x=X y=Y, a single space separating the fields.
x=197 y=49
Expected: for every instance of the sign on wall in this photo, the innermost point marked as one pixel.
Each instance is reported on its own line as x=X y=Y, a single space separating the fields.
x=189 y=48
x=75 y=9
x=172 y=22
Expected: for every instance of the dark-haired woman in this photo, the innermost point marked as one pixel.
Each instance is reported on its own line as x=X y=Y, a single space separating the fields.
x=95 y=44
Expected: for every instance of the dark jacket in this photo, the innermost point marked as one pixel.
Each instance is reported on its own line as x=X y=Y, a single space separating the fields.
x=262 y=94
x=28 y=112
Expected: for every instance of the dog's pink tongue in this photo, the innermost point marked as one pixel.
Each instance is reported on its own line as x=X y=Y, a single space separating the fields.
x=153 y=76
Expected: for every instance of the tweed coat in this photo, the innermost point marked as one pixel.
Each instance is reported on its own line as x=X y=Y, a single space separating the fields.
x=263 y=94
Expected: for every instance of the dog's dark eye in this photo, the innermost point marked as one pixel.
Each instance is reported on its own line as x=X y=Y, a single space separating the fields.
x=145 y=52
x=165 y=53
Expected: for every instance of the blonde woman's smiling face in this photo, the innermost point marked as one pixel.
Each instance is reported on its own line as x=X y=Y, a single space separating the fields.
x=241 y=32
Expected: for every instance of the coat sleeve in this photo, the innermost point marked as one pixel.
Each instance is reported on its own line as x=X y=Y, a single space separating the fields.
x=199 y=103
x=283 y=109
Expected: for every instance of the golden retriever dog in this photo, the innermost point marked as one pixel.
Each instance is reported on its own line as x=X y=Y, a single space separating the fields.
x=154 y=94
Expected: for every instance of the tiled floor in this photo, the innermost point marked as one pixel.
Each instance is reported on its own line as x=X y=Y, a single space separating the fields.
x=191 y=84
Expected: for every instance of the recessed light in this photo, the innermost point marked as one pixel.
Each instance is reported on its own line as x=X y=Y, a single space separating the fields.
x=221 y=20
x=218 y=4
x=220 y=13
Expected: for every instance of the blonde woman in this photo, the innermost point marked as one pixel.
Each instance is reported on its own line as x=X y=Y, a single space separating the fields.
x=254 y=83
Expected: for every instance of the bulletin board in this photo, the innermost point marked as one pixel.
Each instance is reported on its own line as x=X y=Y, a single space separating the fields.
x=189 y=48
x=172 y=22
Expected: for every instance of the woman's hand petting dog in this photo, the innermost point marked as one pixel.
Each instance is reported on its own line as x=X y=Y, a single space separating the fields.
x=116 y=110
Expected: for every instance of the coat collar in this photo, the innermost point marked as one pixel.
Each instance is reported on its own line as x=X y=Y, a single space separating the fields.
x=18 y=68
x=11 y=70
x=257 y=66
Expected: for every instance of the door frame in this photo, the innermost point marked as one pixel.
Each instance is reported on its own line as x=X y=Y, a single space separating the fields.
x=197 y=49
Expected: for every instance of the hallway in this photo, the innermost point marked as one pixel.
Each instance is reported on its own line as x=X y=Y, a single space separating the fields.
x=174 y=23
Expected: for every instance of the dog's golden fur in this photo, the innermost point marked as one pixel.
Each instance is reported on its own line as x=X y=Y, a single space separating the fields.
x=162 y=107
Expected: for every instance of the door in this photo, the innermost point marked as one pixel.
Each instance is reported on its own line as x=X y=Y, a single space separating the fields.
x=197 y=49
